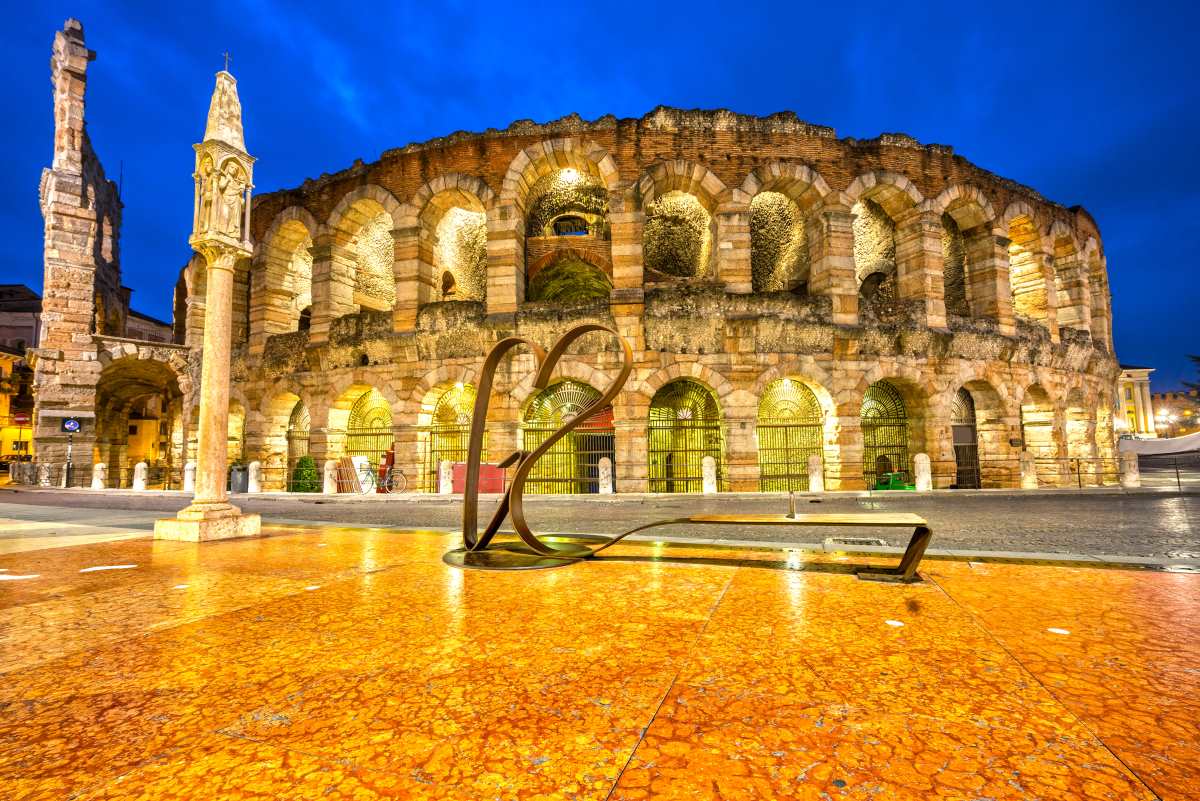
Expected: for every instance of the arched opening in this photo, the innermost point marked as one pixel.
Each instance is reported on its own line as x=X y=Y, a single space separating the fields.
x=235 y=441
x=1081 y=438
x=791 y=426
x=779 y=258
x=299 y=423
x=954 y=267
x=289 y=268
x=569 y=279
x=965 y=440
x=453 y=241
x=364 y=270
x=137 y=409
x=1071 y=286
x=677 y=237
x=446 y=431
x=1037 y=434
x=369 y=428
x=875 y=260
x=572 y=465
x=685 y=426
x=305 y=320
x=885 y=432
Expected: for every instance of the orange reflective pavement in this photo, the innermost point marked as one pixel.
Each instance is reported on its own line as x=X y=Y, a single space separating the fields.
x=332 y=663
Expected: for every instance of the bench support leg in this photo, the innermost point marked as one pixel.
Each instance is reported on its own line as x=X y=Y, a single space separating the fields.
x=907 y=570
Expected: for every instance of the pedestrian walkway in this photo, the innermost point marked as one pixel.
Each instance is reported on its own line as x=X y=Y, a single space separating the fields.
x=334 y=663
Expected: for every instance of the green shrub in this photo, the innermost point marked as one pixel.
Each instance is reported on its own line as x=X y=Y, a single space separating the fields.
x=305 y=477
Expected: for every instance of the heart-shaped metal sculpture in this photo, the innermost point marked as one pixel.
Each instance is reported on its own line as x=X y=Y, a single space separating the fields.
x=533 y=552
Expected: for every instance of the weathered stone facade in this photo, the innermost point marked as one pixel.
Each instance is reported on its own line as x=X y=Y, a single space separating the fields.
x=739 y=254
x=934 y=220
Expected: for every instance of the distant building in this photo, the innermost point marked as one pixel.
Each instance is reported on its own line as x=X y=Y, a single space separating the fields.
x=16 y=406
x=1134 y=403
x=1177 y=413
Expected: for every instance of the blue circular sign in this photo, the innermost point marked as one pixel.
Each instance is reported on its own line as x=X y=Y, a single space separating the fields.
x=70 y=425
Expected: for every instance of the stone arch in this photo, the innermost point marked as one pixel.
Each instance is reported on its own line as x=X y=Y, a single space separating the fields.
x=569 y=275
x=1096 y=268
x=880 y=200
x=721 y=387
x=792 y=426
x=279 y=449
x=1072 y=291
x=780 y=200
x=685 y=427
x=360 y=235
x=349 y=215
x=566 y=369
x=1040 y=435
x=894 y=193
x=347 y=436
x=680 y=200
x=139 y=393
x=281 y=284
x=572 y=465
x=551 y=155
x=899 y=439
x=429 y=387
x=967 y=219
x=996 y=462
x=449 y=217
x=440 y=438
x=1029 y=266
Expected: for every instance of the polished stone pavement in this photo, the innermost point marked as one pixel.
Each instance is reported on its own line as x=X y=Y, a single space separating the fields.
x=334 y=663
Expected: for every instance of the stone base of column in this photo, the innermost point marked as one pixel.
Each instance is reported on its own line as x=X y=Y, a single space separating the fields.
x=204 y=522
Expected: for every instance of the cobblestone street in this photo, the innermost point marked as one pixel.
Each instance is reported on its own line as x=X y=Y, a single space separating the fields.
x=1095 y=523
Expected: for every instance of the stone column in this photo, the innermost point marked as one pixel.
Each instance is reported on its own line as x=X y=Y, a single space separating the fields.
x=505 y=259
x=1147 y=408
x=221 y=234
x=920 y=268
x=733 y=248
x=332 y=285
x=1139 y=413
x=414 y=286
x=989 y=285
x=831 y=243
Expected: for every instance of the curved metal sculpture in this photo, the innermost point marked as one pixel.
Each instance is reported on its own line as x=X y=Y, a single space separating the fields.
x=479 y=550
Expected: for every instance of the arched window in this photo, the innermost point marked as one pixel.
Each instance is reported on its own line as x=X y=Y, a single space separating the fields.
x=884 y=431
x=685 y=426
x=966 y=440
x=572 y=465
x=369 y=429
x=449 y=432
x=791 y=428
x=570 y=225
x=297 y=436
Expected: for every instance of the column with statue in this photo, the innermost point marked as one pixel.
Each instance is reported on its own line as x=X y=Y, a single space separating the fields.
x=221 y=234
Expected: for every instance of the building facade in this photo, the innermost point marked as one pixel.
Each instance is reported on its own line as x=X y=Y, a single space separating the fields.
x=1177 y=413
x=1135 y=403
x=787 y=294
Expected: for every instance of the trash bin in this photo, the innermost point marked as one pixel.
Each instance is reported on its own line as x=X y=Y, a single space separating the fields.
x=239 y=478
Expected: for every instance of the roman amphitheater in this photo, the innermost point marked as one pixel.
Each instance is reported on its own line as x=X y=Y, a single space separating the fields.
x=787 y=293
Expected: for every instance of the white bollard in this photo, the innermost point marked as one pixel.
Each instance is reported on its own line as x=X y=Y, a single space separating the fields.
x=329 y=486
x=816 y=474
x=254 y=477
x=445 y=477
x=604 y=468
x=1131 y=474
x=1029 y=478
x=140 y=470
x=708 y=474
x=43 y=475
x=189 y=477
x=924 y=472
x=99 y=475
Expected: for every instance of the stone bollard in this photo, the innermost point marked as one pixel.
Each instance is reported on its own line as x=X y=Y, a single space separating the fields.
x=923 y=471
x=329 y=486
x=99 y=475
x=43 y=475
x=254 y=477
x=189 y=477
x=604 y=469
x=816 y=474
x=1029 y=478
x=445 y=477
x=1131 y=474
x=140 y=471
x=708 y=473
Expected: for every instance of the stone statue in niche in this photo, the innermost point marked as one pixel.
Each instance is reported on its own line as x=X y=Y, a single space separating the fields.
x=204 y=222
x=230 y=188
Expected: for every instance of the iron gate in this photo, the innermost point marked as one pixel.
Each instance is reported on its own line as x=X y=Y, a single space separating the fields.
x=369 y=429
x=791 y=428
x=966 y=441
x=884 y=431
x=572 y=465
x=448 y=436
x=685 y=426
x=297 y=440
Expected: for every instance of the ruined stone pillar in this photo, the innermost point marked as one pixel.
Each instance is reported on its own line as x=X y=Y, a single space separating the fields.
x=505 y=259
x=831 y=243
x=334 y=268
x=920 y=266
x=630 y=446
x=989 y=290
x=1075 y=297
x=220 y=233
x=733 y=249
x=414 y=287
x=847 y=472
x=628 y=299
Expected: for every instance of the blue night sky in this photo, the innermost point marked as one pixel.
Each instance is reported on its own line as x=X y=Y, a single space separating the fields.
x=1096 y=104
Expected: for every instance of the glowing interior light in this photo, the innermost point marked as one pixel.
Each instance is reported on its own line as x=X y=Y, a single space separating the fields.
x=570 y=174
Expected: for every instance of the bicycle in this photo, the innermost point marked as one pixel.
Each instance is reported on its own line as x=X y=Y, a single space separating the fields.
x=368 y=479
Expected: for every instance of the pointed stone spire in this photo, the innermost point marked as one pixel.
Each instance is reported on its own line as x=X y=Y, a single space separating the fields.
x=225 y=114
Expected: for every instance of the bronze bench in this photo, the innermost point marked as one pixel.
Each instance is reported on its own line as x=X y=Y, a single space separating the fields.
x=906 y=571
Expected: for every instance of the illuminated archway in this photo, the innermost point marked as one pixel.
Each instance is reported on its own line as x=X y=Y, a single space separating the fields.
x=369 y=427
x=685 y=426
x=791 y=427
x=298 y=427
x=447 y=435
x=966 y=440
x=884 y=431
x=572 y=465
